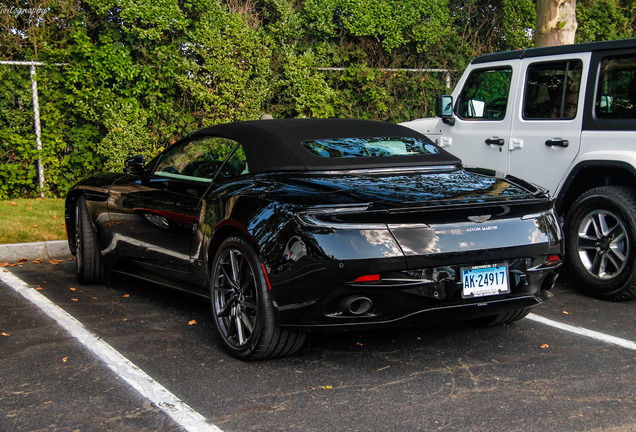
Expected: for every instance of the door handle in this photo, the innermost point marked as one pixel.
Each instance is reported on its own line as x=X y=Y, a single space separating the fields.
x=557 y=142
x=495 y=141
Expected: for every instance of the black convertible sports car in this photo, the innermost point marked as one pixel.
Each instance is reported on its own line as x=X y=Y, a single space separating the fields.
x=294 y=225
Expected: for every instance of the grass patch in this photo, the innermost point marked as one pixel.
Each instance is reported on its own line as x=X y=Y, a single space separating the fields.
x=32 y=220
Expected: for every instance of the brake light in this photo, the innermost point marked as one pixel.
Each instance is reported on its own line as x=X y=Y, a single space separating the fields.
x=368 y=278
x=552 y=258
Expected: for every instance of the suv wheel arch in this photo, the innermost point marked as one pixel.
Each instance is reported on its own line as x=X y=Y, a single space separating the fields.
x=590 y=174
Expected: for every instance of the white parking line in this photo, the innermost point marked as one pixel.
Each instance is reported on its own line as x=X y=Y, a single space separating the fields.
x=584 y=332
x=150 y=389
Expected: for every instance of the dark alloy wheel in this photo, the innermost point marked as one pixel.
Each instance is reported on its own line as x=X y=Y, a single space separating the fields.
x=242 y=308
x=601 y=235
x=90 y=265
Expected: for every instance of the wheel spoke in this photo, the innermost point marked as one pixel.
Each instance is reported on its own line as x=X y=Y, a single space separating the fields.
x=239 y=329
x=247 y=283
x=597 y=230
x=602 y=225
x=226 y=308
x=596 y=264
x=250 y=303
x=245 y=319
x=228 y=277
x=616 y=257
x=235 y=268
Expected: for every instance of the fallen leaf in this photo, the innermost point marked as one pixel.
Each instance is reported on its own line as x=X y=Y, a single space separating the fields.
x=65 y=359
x=5 y=334
x=328 y=387
x=73 y=299
x=566 y=313
x=22 y=260
x=35 y=225
x=13 y=203
x=4 y=264
x=545 y=346
x=359 y=344
x=126 y=295
x=73 y=289
x=37 y=261
x=193 y=322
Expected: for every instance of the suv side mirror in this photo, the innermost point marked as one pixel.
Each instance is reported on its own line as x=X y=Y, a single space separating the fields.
x=444 y=109
x=136 y=165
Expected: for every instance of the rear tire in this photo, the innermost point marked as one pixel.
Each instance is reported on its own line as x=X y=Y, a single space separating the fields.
x=242 y=307
x=600 y=241
x=90 y=264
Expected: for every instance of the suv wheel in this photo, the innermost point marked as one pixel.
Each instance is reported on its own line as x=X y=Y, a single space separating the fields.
x=601 y=235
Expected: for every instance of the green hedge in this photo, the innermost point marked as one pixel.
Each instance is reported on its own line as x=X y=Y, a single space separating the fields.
x=142 y=74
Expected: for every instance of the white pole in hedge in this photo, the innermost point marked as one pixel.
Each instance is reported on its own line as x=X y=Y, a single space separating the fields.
x=36 y=113
x=38 y=135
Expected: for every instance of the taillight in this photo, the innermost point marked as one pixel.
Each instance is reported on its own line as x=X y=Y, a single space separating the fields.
x=368 y=278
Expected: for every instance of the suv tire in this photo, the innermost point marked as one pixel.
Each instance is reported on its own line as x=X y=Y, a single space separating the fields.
x=600 y=240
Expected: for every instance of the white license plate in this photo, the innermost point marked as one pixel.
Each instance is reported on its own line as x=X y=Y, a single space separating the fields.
x=483 y=281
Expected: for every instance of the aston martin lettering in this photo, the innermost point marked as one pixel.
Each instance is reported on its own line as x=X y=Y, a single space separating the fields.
x=485 y=228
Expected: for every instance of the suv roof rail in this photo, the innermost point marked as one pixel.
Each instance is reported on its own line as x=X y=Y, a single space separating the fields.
x=554 y=50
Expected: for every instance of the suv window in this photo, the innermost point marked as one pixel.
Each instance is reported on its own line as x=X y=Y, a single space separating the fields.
x=616 y=93
x=485 y=94
x=204 y=159
x=552 y=90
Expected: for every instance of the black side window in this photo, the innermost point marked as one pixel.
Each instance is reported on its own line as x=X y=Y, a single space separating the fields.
x=204 y=159
x=485 y=94
x=552 y=90
x=616 y=89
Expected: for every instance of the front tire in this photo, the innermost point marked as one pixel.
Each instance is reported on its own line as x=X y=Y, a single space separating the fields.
x=90 y=264
x=242 y=307
x=601 y=233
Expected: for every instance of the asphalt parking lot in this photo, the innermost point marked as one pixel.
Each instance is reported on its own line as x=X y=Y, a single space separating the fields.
x=528 y=376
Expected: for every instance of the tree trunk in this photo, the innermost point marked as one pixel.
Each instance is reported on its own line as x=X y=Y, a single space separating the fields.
x=556 y=22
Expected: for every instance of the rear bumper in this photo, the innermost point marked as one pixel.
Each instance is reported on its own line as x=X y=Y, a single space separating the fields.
x=431 y=314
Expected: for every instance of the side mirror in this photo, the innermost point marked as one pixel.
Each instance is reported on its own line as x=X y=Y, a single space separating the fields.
x=136 y=165
x=444 y=109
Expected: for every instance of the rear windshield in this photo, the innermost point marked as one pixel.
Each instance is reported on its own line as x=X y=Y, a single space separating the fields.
x=369 y=147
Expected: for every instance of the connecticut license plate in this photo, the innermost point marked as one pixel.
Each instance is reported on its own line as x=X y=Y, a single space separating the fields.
x=486 y=280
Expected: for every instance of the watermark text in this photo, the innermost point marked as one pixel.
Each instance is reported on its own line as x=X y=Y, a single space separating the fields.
x=18 y=11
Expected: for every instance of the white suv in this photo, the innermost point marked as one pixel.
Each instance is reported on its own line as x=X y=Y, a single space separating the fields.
x=565 y=118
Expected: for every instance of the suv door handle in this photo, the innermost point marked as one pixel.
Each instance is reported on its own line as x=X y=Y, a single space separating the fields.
x=495 y=141
x=557 y=142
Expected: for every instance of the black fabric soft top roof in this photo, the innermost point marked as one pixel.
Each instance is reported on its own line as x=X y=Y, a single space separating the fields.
x=275 y=145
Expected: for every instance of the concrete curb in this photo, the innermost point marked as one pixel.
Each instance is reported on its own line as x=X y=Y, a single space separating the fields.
x=31 y=251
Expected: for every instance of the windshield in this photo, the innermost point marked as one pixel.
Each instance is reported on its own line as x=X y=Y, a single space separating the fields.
x=369 y=147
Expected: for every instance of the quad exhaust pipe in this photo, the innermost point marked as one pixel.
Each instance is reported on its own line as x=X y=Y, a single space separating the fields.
x=356 y=305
